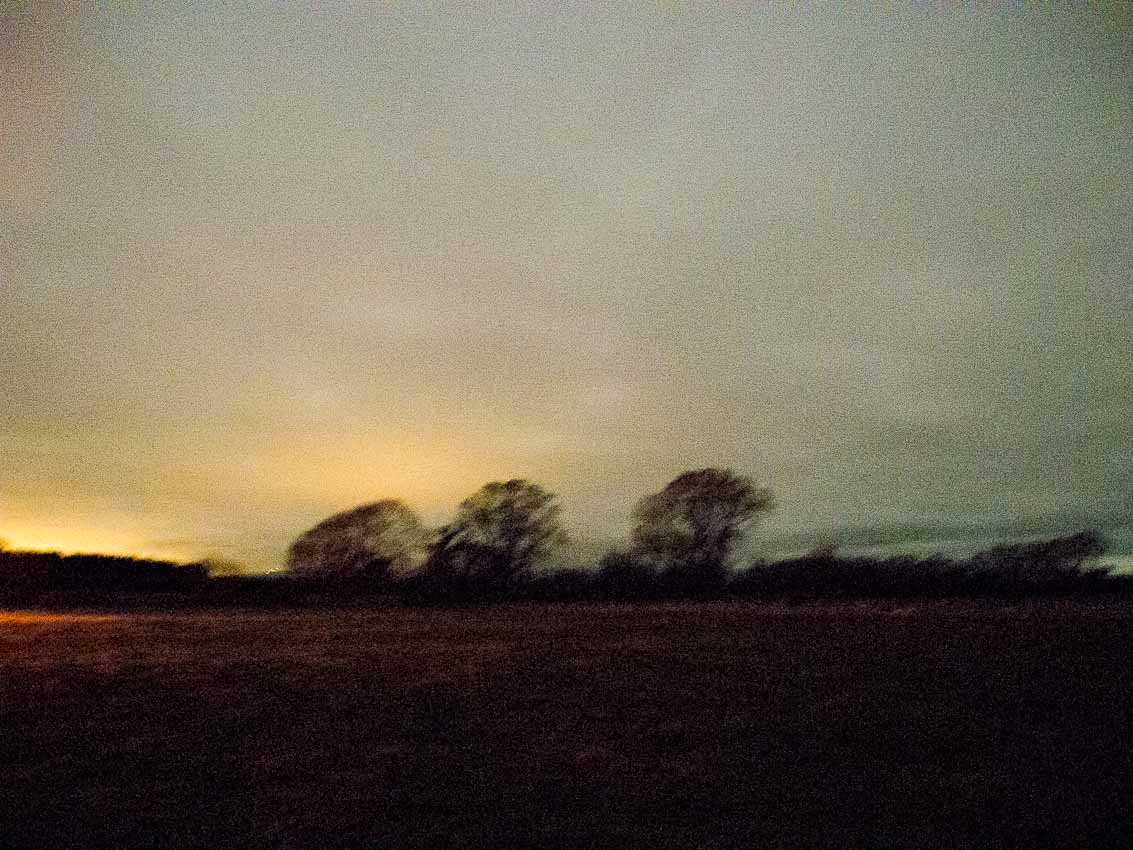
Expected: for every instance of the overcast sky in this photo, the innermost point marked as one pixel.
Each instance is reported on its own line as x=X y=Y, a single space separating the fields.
x=262 y=263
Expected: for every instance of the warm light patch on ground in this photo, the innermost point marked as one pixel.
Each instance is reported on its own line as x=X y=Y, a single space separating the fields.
x=19 y=618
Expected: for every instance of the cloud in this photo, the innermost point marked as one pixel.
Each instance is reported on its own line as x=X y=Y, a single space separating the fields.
x=260 y=268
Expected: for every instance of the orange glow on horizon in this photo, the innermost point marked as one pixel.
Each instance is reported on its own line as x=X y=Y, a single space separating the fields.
x=72 y=540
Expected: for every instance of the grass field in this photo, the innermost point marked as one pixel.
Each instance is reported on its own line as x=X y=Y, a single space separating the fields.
x=713 y=725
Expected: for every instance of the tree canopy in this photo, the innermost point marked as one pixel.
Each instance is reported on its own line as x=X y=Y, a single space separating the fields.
x=367 y=542
x=688 y=530
x=499 y=533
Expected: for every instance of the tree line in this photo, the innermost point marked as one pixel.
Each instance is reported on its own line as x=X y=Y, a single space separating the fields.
x=683 y=535
x=32 y=574
x=683 y=544
x=497 y=546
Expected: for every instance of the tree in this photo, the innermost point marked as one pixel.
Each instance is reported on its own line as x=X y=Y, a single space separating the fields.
x=688 y=530
x=218 y=566
x=500 y=532
x=1060 y=562
x=365 y=543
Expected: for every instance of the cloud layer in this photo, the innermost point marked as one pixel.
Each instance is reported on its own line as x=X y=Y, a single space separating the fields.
x=263 y=265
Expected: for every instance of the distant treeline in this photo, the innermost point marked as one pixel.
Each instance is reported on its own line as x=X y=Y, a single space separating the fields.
x=496 y=547
x=28 y=573
x=1058 y=567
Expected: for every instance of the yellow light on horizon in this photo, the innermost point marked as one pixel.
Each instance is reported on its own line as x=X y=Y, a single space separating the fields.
x=71 y=539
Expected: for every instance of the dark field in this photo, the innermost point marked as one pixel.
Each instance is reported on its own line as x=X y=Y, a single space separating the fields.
x=684 y=725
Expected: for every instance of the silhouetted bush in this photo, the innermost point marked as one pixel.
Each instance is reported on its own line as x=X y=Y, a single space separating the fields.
x=1048 y=567
x=1053 y=567
x=624 y=575
x=563 y=585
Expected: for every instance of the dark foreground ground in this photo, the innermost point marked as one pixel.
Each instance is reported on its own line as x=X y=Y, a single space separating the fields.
x=945 y=725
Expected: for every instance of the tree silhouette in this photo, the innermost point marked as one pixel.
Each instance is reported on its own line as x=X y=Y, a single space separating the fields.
x=498 y=535
x=1061 y=562
x=625 y=575
x=687 y=531
x=366 y=543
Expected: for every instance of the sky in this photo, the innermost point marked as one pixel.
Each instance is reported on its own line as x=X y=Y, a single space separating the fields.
x=260 y=263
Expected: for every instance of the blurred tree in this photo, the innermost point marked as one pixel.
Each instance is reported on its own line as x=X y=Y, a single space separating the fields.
x=217 y=566
x=1021 y=567
x=365 y=543
x=500 y=532
x=688 y=529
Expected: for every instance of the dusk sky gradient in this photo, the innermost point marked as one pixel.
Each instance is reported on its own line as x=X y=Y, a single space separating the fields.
x=261 y=263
